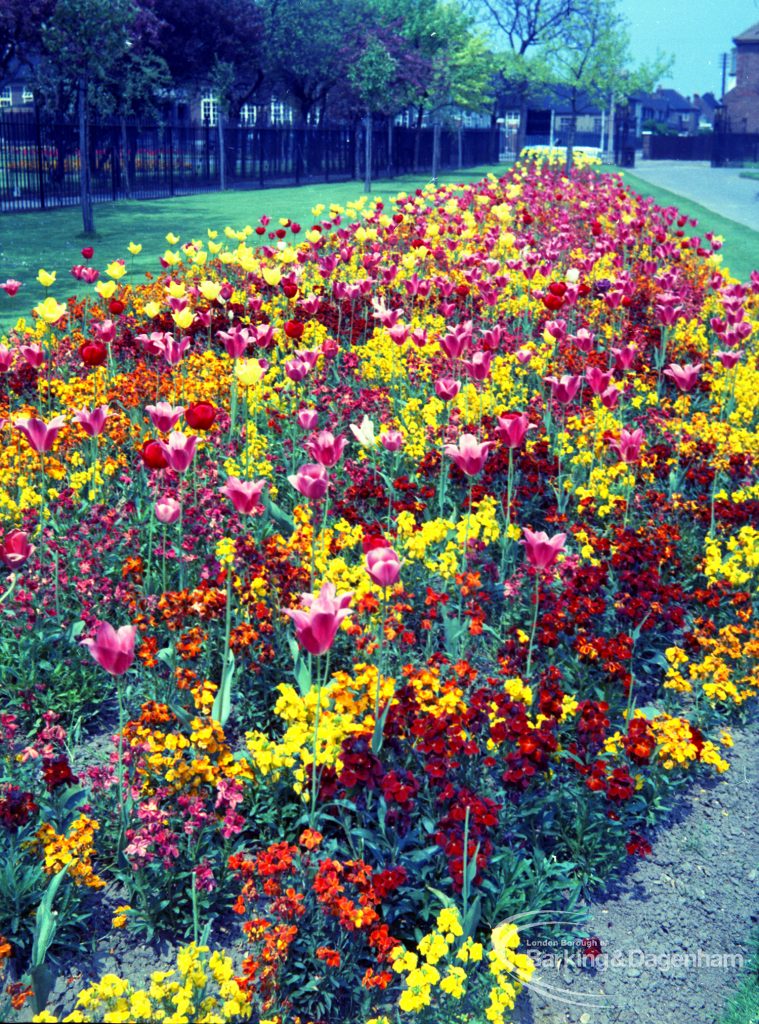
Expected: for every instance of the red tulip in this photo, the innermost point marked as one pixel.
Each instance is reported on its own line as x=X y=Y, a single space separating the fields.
x=201 y=415
x=16 y=549
x=153 y=455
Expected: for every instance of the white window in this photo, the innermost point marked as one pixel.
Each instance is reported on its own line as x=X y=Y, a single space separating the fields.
x=6 y=96
x=209 y=109
x=247 y=114
x=281 y=113
x=27 y=96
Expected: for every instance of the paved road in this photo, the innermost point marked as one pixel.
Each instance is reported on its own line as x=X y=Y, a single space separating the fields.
x=720 y=189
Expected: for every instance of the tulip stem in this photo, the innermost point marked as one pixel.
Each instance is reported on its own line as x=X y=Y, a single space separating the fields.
x=534 y=625
x=314 y=766
x=378 y=723
x=509 y=498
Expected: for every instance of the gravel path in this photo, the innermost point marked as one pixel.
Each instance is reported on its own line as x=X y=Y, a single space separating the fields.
x=717 y=188
x=673 y=931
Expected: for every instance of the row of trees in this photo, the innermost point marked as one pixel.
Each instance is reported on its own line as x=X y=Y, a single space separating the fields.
x=332 y=60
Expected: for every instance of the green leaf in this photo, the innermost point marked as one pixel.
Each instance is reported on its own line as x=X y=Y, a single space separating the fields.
x=222 y=704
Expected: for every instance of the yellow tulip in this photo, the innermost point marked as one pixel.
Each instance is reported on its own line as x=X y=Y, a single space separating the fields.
x=214 y=247
x=183 y=318
x=176 y=289
x=200 y=259
x=45 y=279
x=248 y=371
x=116 y=270
x=313 y=236
x=272 y=276
x=152 y=309
x=50 y=311
x=171 y=258
x=212 y=234
x=288 y=255
x=209 y=290
x=105 y=289
x=172 y=239
x=134 y=248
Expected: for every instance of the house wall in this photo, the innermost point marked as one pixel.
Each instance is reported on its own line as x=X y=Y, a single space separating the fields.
x=742 y=102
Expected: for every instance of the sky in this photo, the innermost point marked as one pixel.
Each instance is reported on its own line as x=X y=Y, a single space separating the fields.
x=697 y=32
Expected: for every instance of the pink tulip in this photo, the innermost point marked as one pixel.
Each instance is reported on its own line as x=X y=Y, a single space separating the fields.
x=235 y=341
x=33 y=354
x=317 y=625
x=245 y=495
x=167 y=510
x=11 y=287
x=391 y=440
x=597 y=379
x=40 y=435
x=309 y=355
x=307 y=419
x=383 y=566
x=92 y=421
x=399 y=333
x=610 y=397
x=6 y=359
x=164 y=416
x=729 y=359
x=564 y=388
x=478 y=367
x=625 y=357
x=584 y=339
x=326 y=448
x=447 y=388
x=524 y=355
x=628 y=445
x=173 y=350
x=469 y=454
x=542 y=550
x=513 y=427
x=311 y=480
x=297 y=369
x=105 y=331
x=684 y=376
x=16 y=549
x=113 y=649
x=179 y=450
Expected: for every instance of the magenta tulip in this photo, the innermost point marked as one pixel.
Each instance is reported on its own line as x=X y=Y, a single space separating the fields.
x=469 y=454
x=307 y=419
x=92 y=421
x=447 y=388
x=628 y=445
x=391 y=440
x=513 y=427
x=311 y=480
x=326 y=448
x=164 y=416
x=383 y=566
x=245 y=495
x=542 y=550
x=564 y=388
x=113 y=649
x=316 y=625
x=684 y=376
x=40 y=435
x=179 y=450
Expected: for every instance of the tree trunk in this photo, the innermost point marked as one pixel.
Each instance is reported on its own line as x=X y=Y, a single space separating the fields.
x=461 y=146
x=368 y=153
x=390 y=136
x=126 y=170
x=418 y=138
x=571 y=137
x=357 y=151
x=222 y=154
x=435 y=151
x=88 y=219
x=522 y=127
x=610 y=137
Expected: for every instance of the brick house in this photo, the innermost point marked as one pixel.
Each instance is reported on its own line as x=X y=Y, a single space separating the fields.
x=741 y=104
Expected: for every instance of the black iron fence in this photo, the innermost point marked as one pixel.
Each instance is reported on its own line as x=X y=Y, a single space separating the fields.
x=40 y=160
x=721 y=148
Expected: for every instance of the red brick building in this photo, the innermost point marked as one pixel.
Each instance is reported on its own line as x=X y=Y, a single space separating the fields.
x=741 y=104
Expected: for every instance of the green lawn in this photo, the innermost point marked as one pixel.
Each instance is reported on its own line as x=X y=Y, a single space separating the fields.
x=53 y=239
x=741 y=249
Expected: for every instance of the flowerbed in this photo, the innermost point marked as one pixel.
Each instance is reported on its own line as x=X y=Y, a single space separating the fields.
x=379 y=587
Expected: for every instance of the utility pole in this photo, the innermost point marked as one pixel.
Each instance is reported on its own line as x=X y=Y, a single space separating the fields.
x=724 y=74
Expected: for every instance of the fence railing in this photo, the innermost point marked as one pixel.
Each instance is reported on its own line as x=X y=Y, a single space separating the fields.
x=40 y=160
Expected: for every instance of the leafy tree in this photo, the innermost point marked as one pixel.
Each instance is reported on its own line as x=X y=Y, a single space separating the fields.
x=21 y=26
x=527 y=25
x=84 y=42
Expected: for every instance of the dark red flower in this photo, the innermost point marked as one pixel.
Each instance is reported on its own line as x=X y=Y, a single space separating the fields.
x=153 y=455
x=93 y=353
x=57 y=772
